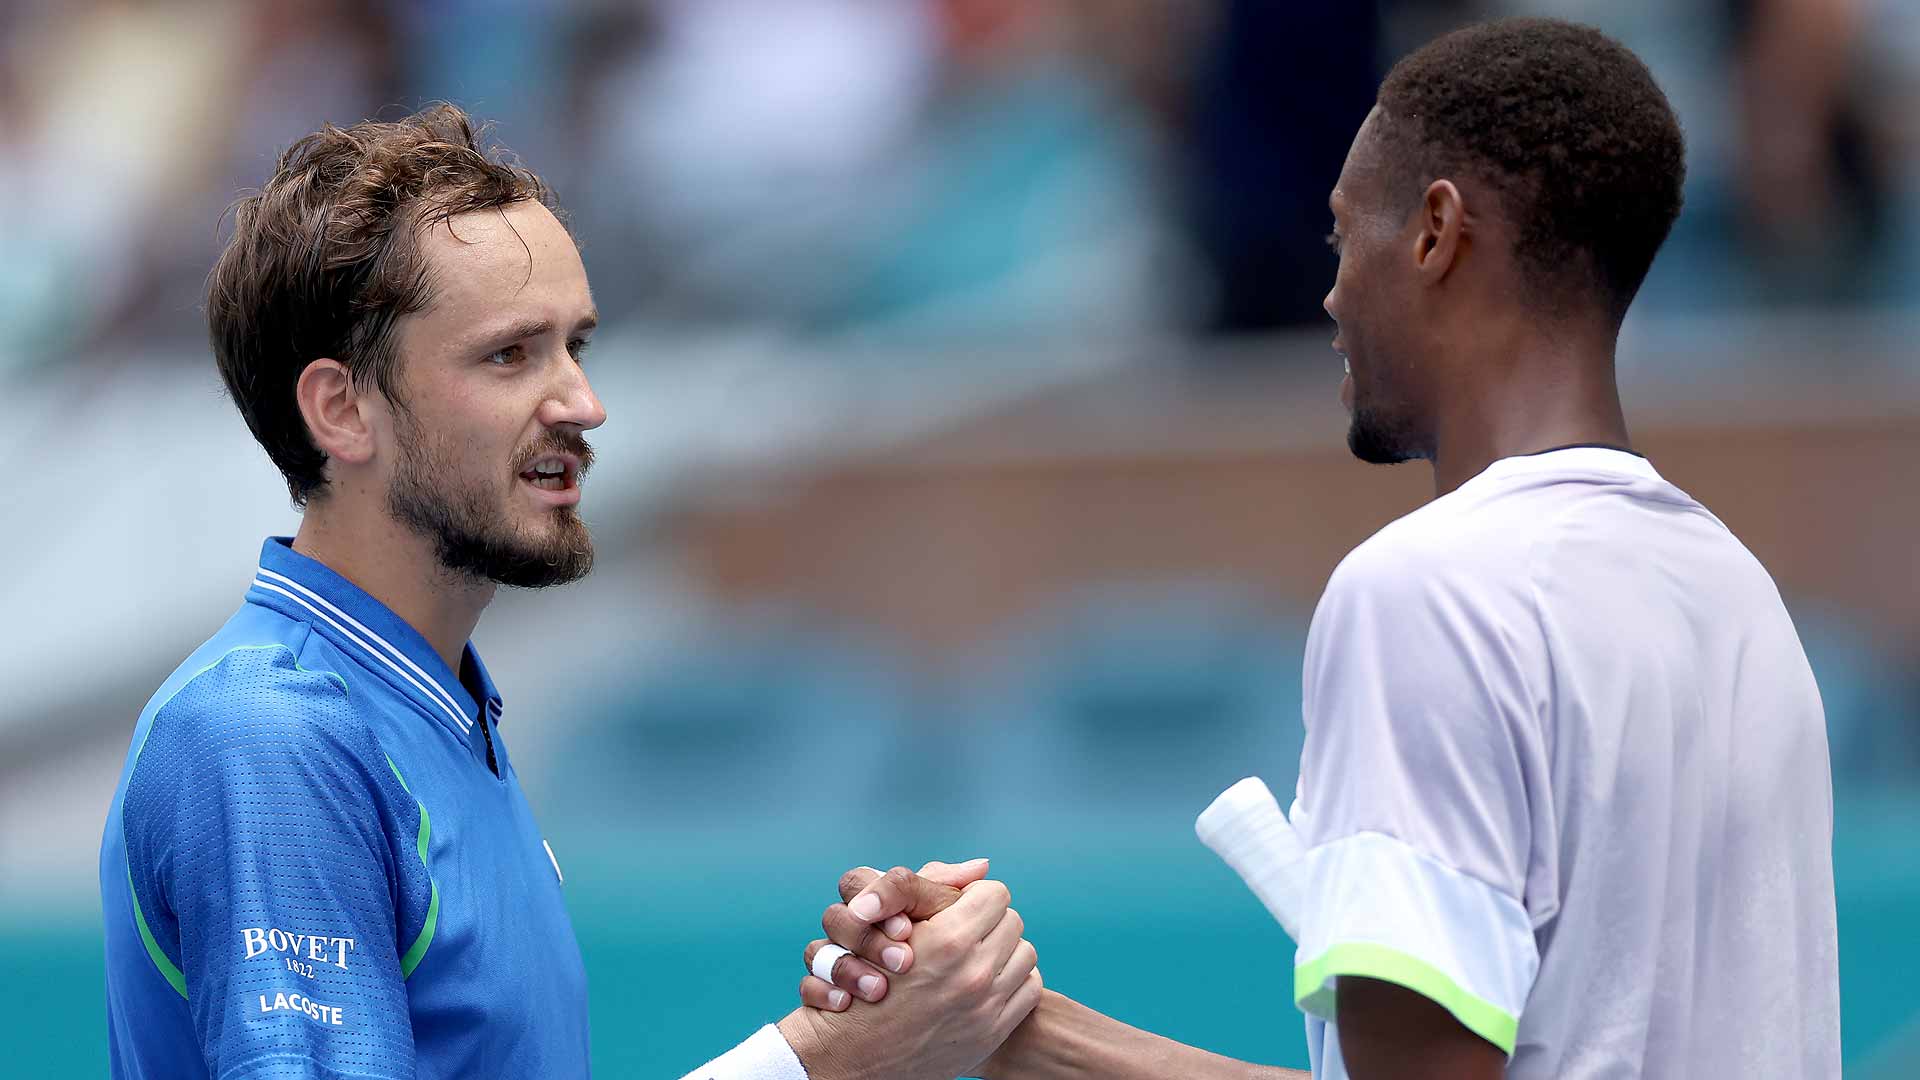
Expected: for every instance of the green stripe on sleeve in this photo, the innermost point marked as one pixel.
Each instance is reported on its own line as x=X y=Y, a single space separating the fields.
x=418 y=950
x=173 y=975
x=1370 y=961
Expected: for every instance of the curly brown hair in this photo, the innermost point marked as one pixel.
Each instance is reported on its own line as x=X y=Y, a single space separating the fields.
x=1567 y=125
x=325 y=258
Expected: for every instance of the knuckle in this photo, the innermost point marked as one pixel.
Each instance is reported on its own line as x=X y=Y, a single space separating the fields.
x=996 y=891
x=832 y=917
x=852 y=882
x=870 y=941
x=846 y=972
x=850 y=933
x=942 y=951
x=1014 y=920
x=976 y=980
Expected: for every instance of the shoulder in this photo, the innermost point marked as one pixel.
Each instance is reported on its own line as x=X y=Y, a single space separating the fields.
x=254 y=712
x=1457 y=546
x=255 y=685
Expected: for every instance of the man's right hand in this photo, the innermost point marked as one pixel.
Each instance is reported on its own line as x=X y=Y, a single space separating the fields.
x=874 y=922
x=970 y=982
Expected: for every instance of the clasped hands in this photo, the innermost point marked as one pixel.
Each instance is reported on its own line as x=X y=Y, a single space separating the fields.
x=938 y=975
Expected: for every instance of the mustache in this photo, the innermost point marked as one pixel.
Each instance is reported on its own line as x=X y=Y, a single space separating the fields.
x=556 y=442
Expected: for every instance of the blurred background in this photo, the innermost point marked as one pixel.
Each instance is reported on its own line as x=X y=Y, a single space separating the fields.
x=974 y=443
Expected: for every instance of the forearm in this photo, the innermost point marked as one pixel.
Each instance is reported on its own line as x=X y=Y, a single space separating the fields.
x=1065 y=1040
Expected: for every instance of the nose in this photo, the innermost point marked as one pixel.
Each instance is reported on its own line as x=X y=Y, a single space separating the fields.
x=571 y=401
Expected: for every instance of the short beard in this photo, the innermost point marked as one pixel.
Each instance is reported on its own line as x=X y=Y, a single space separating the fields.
x=463 y=521
x=1381 y=438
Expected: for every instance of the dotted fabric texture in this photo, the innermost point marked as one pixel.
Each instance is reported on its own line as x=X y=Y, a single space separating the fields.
x=273 y=854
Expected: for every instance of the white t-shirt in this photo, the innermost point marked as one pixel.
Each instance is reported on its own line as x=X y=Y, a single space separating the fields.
x=1566 y=774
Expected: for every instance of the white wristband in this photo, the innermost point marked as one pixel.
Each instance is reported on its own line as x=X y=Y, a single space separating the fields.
x=824 y=960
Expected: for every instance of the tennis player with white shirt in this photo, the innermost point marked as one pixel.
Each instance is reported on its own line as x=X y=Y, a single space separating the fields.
x=1564 y=807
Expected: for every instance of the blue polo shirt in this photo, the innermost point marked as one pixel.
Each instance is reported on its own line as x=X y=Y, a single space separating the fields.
x=319 y=862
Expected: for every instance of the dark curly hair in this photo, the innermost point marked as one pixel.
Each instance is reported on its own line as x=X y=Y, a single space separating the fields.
x=325 y=258
x=1570 y=129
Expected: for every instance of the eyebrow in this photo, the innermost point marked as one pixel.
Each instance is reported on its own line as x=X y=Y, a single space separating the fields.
x=526 y=328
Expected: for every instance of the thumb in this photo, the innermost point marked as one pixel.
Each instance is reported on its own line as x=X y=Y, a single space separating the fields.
x=900 y=892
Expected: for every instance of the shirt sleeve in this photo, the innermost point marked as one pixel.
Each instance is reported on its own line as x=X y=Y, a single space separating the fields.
x=764 y=1056
x=265 y=873
x=1422 y=794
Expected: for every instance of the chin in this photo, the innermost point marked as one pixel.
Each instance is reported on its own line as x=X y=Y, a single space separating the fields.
x=1378 y=439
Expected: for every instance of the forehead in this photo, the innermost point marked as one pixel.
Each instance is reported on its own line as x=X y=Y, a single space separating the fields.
x=502 y=264
x=1358 y=186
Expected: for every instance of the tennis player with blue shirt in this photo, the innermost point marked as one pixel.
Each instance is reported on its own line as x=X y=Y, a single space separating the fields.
x=319 y=862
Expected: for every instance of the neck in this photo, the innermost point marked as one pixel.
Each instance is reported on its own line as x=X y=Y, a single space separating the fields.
x=1531 y=394
x=397 y=567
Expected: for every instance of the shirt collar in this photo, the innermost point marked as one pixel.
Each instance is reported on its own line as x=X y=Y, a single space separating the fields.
x=305 y=589
x=1596 y=459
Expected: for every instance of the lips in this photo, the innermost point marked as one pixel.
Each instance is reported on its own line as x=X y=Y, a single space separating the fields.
x=1346 y=366
x=552 y=472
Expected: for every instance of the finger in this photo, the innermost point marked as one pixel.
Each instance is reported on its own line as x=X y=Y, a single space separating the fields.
x=1018 y=966
x=1001 y=942
x=855 y=880
x=1022 y=1002
x=864 y=941
x=817 y=994
x=955 y=875
x=900 y=891
x=958 y=875
x=850 y=973
x=977 y=912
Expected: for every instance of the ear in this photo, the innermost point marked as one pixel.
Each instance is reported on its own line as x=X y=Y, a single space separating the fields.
x=1441 y=238
x=335 y=411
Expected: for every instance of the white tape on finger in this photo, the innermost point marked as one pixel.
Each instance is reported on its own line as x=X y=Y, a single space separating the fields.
x=824 y=960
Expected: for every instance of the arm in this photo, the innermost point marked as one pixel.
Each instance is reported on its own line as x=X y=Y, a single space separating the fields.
x=1065 y=1040
x=1429 y=842
x=266 y=854
x=1388 y=1031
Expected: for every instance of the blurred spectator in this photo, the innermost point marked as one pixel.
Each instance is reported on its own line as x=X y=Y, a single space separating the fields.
x=941 y=171
x=940 y=168
x=1813 y=187
x=113 y=106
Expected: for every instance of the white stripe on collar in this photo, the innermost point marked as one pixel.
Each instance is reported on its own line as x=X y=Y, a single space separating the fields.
x=446 y=698
x=465 y=724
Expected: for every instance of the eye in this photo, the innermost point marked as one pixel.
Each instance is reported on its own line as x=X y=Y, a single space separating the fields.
x=577 y=348
x=505 y=357
x=1333 y=242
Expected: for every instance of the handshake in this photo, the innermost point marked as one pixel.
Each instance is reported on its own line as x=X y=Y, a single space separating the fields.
x=920 y=975
x=929 y=974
